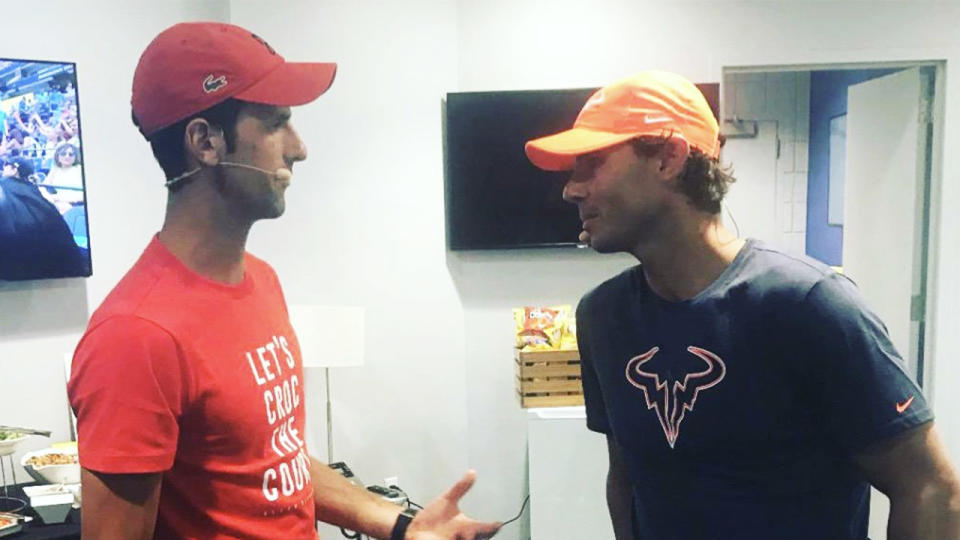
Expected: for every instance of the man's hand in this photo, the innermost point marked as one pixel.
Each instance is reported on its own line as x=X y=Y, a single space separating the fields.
x=443 y=520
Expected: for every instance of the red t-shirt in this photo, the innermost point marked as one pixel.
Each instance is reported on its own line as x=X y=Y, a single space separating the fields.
x=202 y=381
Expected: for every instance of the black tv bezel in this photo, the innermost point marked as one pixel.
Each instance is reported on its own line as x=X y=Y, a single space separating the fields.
x=587 y=91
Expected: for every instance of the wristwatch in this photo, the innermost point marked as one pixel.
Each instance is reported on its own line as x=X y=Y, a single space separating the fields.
x=399 y=531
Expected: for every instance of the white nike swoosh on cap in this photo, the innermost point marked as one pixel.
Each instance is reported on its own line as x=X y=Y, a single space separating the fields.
x=648 y=119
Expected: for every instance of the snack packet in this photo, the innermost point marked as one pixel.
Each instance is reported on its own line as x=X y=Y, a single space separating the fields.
x=568 y=341
x=540 y=328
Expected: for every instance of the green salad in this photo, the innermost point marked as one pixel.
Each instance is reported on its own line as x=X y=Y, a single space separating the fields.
x=4 y=435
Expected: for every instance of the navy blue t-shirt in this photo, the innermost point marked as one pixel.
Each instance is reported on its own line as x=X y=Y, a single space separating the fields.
x=738 y=411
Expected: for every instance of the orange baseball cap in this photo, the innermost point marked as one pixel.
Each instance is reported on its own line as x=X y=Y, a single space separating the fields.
x=190 y=67
x=650 y=103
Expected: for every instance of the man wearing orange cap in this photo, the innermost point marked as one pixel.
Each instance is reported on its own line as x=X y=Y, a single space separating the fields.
x=744 y=393
x=188 y=384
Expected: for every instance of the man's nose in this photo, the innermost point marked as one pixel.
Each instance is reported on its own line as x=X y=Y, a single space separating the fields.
x=574 y=191
x=299 y=148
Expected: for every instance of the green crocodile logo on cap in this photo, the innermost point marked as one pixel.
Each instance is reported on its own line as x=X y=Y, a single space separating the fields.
x=211 y=85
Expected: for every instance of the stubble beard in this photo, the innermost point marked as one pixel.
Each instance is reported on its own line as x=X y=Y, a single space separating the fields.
x=641 y=230
x=253 y=198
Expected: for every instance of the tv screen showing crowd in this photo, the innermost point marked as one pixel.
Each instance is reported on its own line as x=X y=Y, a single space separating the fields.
x=43 y=218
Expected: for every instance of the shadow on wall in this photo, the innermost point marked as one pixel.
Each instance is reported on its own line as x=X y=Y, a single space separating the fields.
x=37 y=308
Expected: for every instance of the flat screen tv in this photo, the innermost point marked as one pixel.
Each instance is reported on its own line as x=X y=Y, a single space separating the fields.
x=495 y=198
x=43 y=203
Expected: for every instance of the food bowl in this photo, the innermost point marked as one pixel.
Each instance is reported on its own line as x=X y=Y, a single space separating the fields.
x=9 y=441
x=51 y=503
x=52 y=465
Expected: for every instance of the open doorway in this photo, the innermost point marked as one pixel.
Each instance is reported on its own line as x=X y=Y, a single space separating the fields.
x=836 y=163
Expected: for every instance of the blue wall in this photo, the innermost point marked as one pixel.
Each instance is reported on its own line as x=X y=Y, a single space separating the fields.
x=828 y=98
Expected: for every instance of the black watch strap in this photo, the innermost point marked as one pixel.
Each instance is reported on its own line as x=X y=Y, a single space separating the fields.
x=399 y=531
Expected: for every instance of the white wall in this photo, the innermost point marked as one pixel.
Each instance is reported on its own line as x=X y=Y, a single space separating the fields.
x=42 y=320
x=364 y=224
x=779 y=101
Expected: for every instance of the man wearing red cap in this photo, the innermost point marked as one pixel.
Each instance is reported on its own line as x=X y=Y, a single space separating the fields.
x=188 y=384
x=745 y=393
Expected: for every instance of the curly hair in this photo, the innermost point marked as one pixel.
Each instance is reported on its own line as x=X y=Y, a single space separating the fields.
x=703 y=180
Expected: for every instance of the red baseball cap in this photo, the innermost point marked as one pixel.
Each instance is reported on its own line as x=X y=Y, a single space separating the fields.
x=190 y=67
x=650 y=103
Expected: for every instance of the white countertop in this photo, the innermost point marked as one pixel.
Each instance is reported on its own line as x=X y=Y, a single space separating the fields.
x=547 y=413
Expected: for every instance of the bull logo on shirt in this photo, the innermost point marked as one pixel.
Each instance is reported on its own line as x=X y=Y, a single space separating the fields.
x=672 y=402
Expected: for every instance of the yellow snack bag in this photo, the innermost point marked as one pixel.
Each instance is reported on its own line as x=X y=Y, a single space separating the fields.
x=568 y=341
x=540 y=328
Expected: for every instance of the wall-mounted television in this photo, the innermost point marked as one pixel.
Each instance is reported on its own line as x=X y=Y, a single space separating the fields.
x=495 y=198
x=43 y=203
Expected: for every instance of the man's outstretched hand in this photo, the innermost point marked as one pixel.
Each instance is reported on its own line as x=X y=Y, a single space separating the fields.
x=443 y=520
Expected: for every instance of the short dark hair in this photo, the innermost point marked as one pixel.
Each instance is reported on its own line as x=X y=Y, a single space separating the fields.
x=167 y=144
x=703 y=180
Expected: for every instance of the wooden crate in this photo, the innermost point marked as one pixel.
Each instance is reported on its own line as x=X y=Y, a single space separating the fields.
x=548 y=378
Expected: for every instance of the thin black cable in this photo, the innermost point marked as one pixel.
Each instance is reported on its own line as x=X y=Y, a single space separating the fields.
x=511 y=520
x=409 y=502
x=522 y=508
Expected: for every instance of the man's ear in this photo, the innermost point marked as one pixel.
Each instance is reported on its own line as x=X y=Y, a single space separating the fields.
x=204 y=143
x=673 y=157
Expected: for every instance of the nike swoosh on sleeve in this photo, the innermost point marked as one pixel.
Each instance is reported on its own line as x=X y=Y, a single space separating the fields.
x=905 y=405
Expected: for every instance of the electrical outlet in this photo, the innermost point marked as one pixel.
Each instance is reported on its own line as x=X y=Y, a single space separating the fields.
x=391 y=481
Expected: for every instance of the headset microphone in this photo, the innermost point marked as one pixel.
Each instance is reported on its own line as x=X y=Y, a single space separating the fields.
x=282 y=174
x=584 y=238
